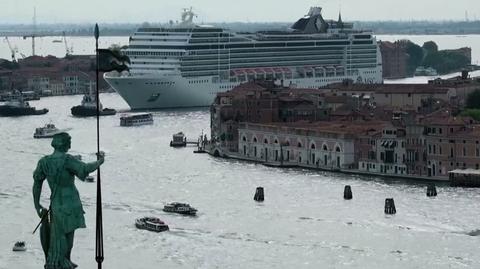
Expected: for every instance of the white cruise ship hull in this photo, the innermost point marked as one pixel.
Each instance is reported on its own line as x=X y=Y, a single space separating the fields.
x=174 y=91
x=142 y=93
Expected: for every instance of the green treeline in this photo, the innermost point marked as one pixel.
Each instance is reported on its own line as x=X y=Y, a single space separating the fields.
x=444 y=61
x=472 y=106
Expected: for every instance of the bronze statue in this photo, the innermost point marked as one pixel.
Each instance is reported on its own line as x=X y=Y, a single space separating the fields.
x=65 y=213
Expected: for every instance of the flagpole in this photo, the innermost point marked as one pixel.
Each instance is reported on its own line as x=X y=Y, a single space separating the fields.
x=99 y=226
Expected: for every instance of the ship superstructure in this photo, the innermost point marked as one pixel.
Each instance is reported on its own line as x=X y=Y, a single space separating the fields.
x=186 y=65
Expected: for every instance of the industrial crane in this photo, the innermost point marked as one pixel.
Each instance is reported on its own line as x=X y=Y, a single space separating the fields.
x=68 y=51
x=13 y=50
x=33 y=35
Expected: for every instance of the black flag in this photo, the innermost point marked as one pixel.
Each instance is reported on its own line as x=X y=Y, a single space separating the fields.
x=109 y=60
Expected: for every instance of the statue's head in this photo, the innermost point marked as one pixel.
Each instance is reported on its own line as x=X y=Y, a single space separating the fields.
x=61 y=142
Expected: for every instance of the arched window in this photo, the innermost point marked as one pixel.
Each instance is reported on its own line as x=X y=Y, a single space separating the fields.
x=244 y=138
x=312 y=146
x=337 y=149
x=255 y=140
x=299 y=144
x=276 y=141
x=325 y=147
x=265 y=141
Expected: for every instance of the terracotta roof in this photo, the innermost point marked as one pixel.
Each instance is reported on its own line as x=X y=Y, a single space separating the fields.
x=333 y=127
x=389 y=88
x=410 y=88
x=444 y=117
x=336 y=99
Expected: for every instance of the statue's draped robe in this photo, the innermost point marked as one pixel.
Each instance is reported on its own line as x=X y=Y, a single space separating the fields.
x=66 y=213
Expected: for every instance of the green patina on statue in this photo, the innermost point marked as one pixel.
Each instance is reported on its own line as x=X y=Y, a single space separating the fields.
x=65 y=213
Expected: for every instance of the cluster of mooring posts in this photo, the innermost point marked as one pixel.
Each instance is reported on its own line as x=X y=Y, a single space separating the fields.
x=348 y=195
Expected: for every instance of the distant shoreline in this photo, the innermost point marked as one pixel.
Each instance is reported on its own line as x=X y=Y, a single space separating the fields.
x=126 y=29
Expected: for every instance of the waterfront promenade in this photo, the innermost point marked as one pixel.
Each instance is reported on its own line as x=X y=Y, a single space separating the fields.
x=216 y=152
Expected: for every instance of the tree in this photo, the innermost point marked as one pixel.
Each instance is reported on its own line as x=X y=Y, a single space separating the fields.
x=430 y=46
x=473 y=99
x=445 y=61
x=415 y=53
x=474 y=113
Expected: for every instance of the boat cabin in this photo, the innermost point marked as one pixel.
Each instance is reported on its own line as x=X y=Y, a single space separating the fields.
x=136 y=119
x=465 y=177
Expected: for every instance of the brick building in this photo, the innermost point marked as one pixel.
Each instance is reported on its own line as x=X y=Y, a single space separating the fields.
x=394 y=59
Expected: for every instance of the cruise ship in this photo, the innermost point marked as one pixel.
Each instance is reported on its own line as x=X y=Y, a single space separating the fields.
x=186 y=65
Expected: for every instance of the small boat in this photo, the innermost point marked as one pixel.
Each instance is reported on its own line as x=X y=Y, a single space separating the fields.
x=25 y=95
x=19 y=246
x=422 y=71
x=88 y=108
x=180 y=208
x=19 y=107
x=136 y=119
x=179 y=140
x=49 y=130
x=152 y=224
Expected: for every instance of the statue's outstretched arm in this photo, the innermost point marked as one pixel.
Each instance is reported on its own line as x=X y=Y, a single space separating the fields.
x=90 y=167
x=81 y=169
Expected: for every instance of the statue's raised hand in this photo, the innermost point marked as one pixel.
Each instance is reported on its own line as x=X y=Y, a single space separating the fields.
x=101 y=157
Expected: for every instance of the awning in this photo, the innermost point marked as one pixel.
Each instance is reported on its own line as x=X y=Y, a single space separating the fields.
x=277 y=69
x=388 y=143
x=259 y=70
x=268 y=70
x=238 y=71
x=286 y=69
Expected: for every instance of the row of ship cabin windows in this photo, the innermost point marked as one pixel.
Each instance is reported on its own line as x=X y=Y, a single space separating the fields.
x=198 y=81
x=160 y=83
x=299 y=144
x=154 y=53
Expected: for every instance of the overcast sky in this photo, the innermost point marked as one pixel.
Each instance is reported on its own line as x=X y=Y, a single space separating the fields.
x=135 y=11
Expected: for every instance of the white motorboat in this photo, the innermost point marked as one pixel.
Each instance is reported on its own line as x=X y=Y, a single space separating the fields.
x=19 y=246
x=180 y=208
x=153 y=224
x=49 y=130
